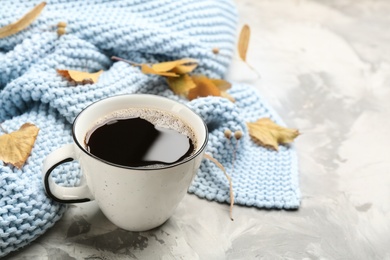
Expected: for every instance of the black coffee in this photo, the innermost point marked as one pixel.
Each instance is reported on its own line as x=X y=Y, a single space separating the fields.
x=135 y=141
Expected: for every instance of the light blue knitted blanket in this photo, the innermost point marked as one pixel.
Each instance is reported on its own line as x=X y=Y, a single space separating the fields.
x=144 y=32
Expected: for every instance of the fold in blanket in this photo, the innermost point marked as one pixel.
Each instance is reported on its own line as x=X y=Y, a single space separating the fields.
x=143 y=32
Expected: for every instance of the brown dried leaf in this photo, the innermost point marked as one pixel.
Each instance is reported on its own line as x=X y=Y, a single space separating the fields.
x=185 y=68
x=267 y=133
x=204 y=87
x=16 y=146
x=223 y=85
x=23 y=22
x=243 y=42
x=80 y=77
x=148 y=70
x=181 y=85
x=209 y=87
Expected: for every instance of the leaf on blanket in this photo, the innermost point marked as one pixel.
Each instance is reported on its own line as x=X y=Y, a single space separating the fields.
x=267 y=133
x=181 y=85
x=80 y=77
x=148 y=70
x=16 y=146
x=178 y=66
x=170 y=68
x=181 y=82
x=23 y=22
x=209 y=87
x=243 y=41
x=167 y=69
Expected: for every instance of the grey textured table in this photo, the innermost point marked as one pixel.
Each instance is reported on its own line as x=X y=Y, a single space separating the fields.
x=325 y=67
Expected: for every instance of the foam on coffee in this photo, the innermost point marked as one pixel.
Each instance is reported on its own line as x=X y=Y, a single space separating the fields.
x=157 y=117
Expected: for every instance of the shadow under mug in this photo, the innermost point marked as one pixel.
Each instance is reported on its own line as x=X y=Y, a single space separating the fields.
x=133 y=198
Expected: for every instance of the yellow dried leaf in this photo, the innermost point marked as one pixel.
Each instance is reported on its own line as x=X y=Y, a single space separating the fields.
x=181 y=85
x=23 y=22
x=80 y=77
x=267 y=133
x=223 y=85
x=164 y=66
x=243 y=42
x=204 y=87
x=170 y=65
x=186 y=68
x=16 y=146
x=166 y=69
x=148 y=70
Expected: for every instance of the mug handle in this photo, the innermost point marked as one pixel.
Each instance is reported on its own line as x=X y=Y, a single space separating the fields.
x=59 y=193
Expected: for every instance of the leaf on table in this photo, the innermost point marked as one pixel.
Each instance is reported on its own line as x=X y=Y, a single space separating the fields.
x=23 y=22
x=269 y=134
x=16 y=146
x=209 y=87
x=181 y=85
x=243 y=41
x=80 y=77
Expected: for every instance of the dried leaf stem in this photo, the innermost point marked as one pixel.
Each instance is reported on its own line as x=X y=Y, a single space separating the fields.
x=131 y=63
x=234 y=151
x=207 y=156
x=234 y=155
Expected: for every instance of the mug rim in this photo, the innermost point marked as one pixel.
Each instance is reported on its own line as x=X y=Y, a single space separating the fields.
x=141 y=168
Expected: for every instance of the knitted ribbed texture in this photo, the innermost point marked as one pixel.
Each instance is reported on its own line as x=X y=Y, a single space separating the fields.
x=140 y=31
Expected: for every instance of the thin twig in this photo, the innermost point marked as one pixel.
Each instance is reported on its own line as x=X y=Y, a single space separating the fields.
x=234 y=156
x=207 y=156
x=3 y=130
x=120 y=59
x=237 y=136
x=253 y=69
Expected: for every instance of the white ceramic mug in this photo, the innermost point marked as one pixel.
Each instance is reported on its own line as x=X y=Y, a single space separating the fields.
x=133 y=198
